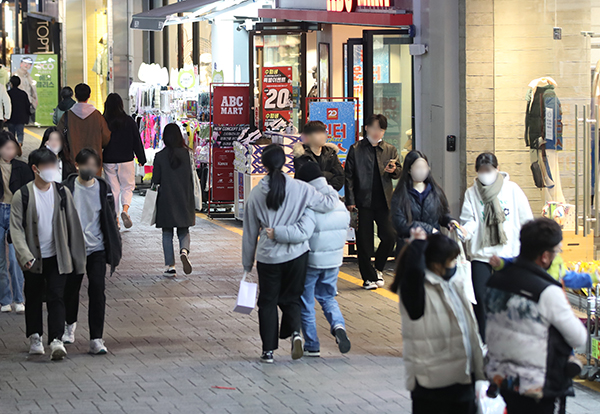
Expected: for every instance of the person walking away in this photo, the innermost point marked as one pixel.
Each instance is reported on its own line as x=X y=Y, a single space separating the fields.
x=15 y=174
x=66 y=103
x=5 y=106
x=327 y=238
x=418 y=200
x=49 y=245
x=317 y=150
x=95 y=206
x=437 y=315
x=370 y=167
x=85 y=125
x=492 y=214
x=55 y=141
x=531 y=328
x=279 y=200
x=27 y=84
x=175 y=203
x=119 y=166
x=20 y=109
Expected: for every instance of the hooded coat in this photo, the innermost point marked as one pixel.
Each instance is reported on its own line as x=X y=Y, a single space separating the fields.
x=86 y=128
x=60 y=110
x=330 y=164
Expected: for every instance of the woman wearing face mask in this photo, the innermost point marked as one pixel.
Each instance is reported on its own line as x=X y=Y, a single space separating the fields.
x=418 y=200
x=54 y=140
x=15 y=174
x=442 y=348
x=493 y=212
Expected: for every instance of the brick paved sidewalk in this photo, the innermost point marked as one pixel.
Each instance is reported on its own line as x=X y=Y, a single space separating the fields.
x=171 y=341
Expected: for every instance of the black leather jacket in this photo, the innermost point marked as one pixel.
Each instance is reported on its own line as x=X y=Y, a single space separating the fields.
x=359 y=172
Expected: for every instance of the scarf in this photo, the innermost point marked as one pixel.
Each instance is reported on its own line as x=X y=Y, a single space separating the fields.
x=493 y=213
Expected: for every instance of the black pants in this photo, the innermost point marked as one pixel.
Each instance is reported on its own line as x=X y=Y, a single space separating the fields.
x=52 y=284
x=365 y=240
x=480 y=273
x=429 y=406
x=519 y=404
x=96 y=273
x=280 y=285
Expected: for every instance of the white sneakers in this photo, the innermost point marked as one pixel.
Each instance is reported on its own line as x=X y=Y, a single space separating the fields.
x=380 y=280
x=69 y=335
x=36 y=347
x=170 y=272
x=57 y=350
x=97 y=347
x=19 y=308
x=6 y=309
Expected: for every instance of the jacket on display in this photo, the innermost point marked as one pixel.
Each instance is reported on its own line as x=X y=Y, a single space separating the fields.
x=5 y=104
x=543 y=117
x=258 y=217
x=20 y=175
x=326 y=232
x=359 y=172
x=68 y=236
x=86 y=128
x=330 y=164
x=531 y=331
x=175 y=203
x=125 y=141
x=108 y=221
x=60 y=110
x=424 y=210
x=20 y=107
x=440 y=338
x=516 y=209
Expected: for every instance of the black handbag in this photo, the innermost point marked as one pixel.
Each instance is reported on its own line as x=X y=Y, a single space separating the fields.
x=536 y=171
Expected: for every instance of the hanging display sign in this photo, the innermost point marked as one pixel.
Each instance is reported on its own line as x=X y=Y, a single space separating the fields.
x=341 y=123
x=277 y=98
x=39 y=35
x=41 y=73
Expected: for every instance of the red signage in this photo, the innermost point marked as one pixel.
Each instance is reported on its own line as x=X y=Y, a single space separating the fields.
x=277 y=99
x=222 y=174
x=351 y=5
x=231 y=105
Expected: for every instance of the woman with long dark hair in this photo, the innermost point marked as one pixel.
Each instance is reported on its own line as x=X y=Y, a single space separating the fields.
x=55 y=141
x=442 y=349
x=418 y=200
x=279 y=200
x=119 y=166
x=175 y=203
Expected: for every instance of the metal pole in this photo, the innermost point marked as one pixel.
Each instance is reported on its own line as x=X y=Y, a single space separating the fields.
x=595 y=189
x=585 y=173
x=576 y=172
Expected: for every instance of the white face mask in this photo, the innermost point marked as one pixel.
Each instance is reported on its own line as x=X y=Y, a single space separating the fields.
x=49 y=175
x=488 y=178
x=419 y=175
x=56 y=150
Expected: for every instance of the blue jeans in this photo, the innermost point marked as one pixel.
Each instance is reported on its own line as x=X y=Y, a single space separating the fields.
x=10 y=271
x=18 y=131
x=322 y=285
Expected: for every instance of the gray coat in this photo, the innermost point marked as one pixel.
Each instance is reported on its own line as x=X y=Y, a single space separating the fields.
x=175 y=203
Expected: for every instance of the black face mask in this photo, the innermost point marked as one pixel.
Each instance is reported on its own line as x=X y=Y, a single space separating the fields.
x=86 y=175
x=450 y=272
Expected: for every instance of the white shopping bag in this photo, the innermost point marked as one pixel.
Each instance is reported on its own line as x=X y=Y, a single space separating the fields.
x=463 y=271
x=485 y=404
x=246 y=299
x=149 y=211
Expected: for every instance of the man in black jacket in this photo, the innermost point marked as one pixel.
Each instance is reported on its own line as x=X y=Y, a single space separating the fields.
x=95 y=205
x=317 y=150
x=371 y=166
x=21 y=109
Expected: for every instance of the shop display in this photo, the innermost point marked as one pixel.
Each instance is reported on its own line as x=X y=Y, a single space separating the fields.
x=277 y=102
x=339 y=117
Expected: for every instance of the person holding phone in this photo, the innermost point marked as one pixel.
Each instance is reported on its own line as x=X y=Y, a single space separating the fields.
x=370 y=167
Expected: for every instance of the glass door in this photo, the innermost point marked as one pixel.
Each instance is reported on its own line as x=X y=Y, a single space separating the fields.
x=388 y=84
x=354 y=76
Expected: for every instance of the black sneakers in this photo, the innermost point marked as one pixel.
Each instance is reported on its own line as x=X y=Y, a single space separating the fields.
x=341 y=338
x=267 y=357
x=313 y=354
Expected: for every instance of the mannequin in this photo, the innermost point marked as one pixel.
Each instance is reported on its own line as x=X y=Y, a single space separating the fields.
x=101 y=66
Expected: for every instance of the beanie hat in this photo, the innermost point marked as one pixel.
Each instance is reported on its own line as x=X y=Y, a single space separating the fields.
x=309 y=171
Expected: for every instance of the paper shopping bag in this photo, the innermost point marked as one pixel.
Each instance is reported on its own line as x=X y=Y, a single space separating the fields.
x=149 y=211
x=463 y=271
x=246 y=299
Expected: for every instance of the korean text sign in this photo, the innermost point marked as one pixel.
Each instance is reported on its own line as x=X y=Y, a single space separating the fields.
x=277 y=99
x=341 y=123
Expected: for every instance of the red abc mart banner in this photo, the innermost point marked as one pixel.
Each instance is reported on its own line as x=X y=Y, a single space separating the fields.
x=277 y=99
x=231 y=105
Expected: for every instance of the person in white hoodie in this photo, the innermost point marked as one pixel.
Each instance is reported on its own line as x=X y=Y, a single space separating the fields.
x=327 y=234
x=5 y=106
x=493 y=212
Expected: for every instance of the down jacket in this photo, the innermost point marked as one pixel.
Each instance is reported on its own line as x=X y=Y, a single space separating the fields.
x=326 y=232
x=330 y=164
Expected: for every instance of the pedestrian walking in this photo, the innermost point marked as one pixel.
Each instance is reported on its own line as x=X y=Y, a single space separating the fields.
x=66 y=103
x=531 y=328
x=326 y=233
x=5 y=106
x=279 y=200
x=20 y=109
x=175 y=203
x=119 y=165
x=15 y=174
x=84 y=125
x=493 y=212
x=28 y=85
x=443 y=353
x=370 y=167
x=55 y=141
x=317 y=150
x=418 y=200
x=49 y=245
x=95 y=206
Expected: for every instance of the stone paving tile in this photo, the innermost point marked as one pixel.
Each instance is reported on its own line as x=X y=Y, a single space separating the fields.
x=171 y=341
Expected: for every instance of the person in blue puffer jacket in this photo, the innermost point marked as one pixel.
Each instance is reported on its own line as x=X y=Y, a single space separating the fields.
x=327 y=234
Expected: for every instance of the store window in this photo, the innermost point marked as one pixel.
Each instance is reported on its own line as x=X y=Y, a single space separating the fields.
x=96 y=28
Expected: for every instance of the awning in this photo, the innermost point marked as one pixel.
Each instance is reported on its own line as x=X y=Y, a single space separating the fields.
x=354 y=18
